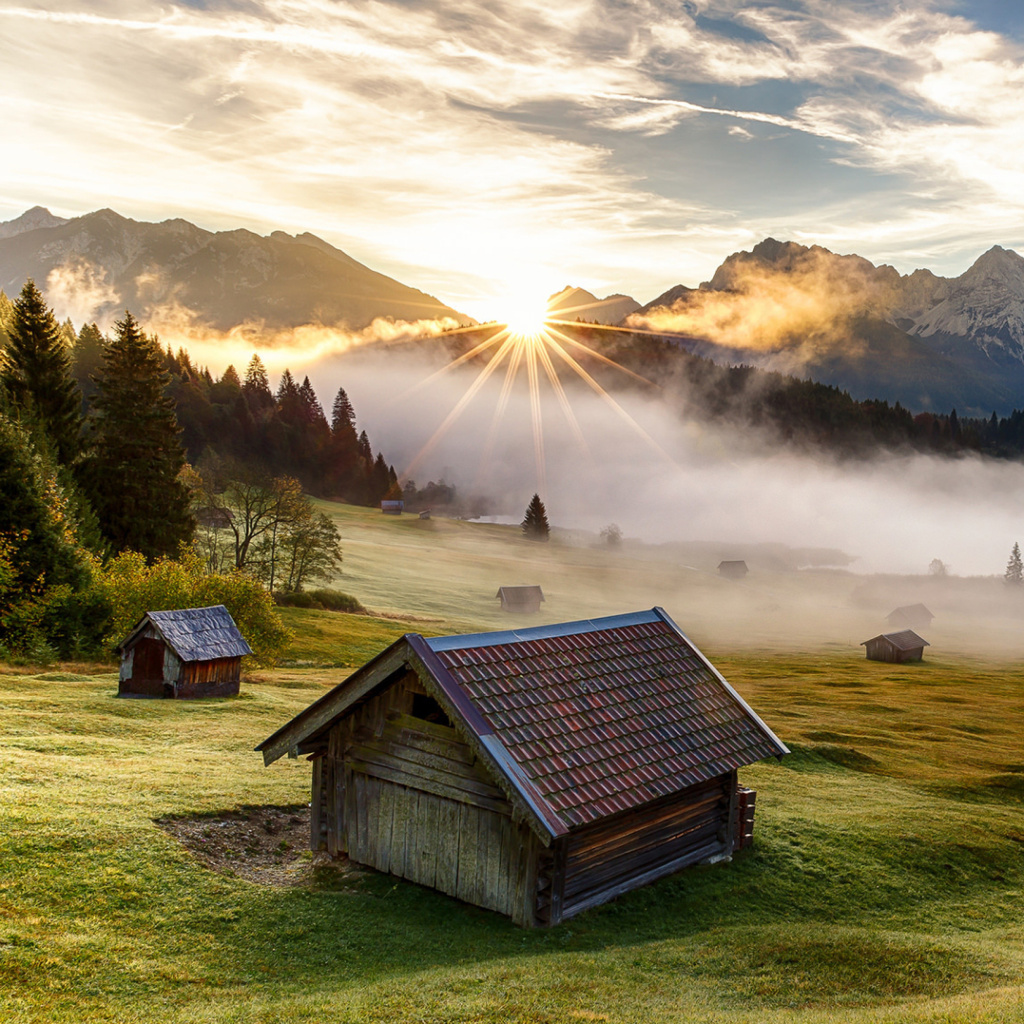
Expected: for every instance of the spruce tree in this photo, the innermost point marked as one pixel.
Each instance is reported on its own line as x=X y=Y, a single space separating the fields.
x=312 y=410
x=1014 y=574
x=132 y=475
x=88 y=358
x=257 y=387
x=343 y=416
x=36 y=376
x=535 y=522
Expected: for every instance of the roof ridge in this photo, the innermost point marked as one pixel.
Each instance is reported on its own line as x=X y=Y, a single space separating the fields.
x=555 y=629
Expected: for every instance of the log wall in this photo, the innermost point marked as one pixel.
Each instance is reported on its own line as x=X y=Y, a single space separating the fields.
x=883 y=650
x=407 y=796
x=617 y=854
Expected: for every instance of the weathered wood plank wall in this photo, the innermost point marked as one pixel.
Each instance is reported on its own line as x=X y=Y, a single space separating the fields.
x=407 y=796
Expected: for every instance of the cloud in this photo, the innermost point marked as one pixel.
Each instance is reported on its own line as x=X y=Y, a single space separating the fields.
x=80 y=291
x=296 y=348
x=596 y=140
x=717 y=484
x=797 y=303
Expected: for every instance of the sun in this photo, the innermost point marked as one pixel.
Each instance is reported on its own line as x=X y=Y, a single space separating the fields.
x=523 y=317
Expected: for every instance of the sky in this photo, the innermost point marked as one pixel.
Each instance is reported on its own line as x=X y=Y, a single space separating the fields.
x=487 y=151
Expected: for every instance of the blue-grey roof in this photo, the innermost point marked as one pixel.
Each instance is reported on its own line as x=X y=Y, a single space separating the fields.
x=512 y=636
x=904 y=640
x=198 y=634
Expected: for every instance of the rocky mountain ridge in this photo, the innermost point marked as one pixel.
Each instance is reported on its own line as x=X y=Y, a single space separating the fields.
x=918 y=338
x=176 y=272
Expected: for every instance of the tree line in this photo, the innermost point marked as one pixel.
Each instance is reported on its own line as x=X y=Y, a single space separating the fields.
x=112 y=445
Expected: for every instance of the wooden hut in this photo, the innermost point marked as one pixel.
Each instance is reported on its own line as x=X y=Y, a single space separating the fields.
x=536 y=772
x=733 y=570
x=392 y=507
x=190 y=652
x=905 y=645
x=910 y=616
x=520 y=599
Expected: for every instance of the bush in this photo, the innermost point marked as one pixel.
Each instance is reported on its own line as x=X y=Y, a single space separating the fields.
x=132 y=588
x=324 y=599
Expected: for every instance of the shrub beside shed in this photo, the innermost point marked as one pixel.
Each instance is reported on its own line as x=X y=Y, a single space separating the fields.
x=536 y=772
x=905 y=645
x=188 y=652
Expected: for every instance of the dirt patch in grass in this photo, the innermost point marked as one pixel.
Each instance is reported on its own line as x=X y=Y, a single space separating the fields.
x=268 y=845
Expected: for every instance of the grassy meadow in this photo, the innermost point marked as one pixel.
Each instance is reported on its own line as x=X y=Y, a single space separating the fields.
x=885 y=884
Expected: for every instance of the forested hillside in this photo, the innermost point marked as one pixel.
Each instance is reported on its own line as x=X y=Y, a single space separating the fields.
x=132 y=479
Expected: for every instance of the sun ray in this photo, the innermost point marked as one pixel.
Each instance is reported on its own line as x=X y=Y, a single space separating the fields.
x=499 y=410
x=530 y=349
x=600 y=391
x=536 y=412
x=601 y=358
x=563 y=399
x=459 y=407
x=458 y=361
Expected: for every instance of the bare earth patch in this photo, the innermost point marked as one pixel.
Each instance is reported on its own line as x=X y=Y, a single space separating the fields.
x=268 y=845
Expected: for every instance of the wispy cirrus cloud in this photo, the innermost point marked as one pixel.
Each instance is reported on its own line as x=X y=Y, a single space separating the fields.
x=625 y=145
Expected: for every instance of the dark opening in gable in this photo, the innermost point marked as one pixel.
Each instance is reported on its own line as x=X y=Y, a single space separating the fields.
x=424 y=706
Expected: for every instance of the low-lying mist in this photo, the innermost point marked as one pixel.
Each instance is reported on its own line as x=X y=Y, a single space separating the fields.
x=893 y=513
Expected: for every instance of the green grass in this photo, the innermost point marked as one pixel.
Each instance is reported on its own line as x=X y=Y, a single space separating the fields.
x=886 y=882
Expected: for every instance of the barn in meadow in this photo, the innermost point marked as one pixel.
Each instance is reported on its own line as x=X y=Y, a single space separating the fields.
x=733 y=569
x=520 y=599
x=905 y=645
x=536 y=772
x=910 y=616
x=188 y=652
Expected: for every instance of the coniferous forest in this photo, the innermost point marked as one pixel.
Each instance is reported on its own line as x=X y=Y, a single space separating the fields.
x=132 y=478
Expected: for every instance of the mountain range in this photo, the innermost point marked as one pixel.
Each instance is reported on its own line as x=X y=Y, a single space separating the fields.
x=927 y=341
x=176 y=272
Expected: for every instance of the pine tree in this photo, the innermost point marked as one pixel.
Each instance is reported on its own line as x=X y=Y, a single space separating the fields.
x=312 y=410
x=6 y=319
x=257 y=387
x=1014 y=574
x=343 y=416
x=88 y=358
x=36 y=376
x=365 y=451
x=231 y=378
x=256 y=379
x=535 y=522
x=132 y=475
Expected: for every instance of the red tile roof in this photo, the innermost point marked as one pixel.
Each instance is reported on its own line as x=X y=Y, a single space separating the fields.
x=607 y=715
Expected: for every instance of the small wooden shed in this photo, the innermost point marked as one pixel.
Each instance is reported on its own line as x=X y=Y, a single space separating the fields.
x=536 y=772
x=733 y=570
x=520 y=599
x=905 y=645
x=392 y=507
x=189 y=652
x=910 y=616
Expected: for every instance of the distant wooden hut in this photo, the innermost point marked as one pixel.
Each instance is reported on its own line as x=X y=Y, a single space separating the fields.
x=536 y=772
x=520 y=599
x=910 y=616
x=190 y=652
x=733 y=570
x=905 y=645
x=392 y=507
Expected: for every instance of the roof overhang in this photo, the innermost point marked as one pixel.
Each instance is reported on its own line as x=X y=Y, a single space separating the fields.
x=307 y=732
